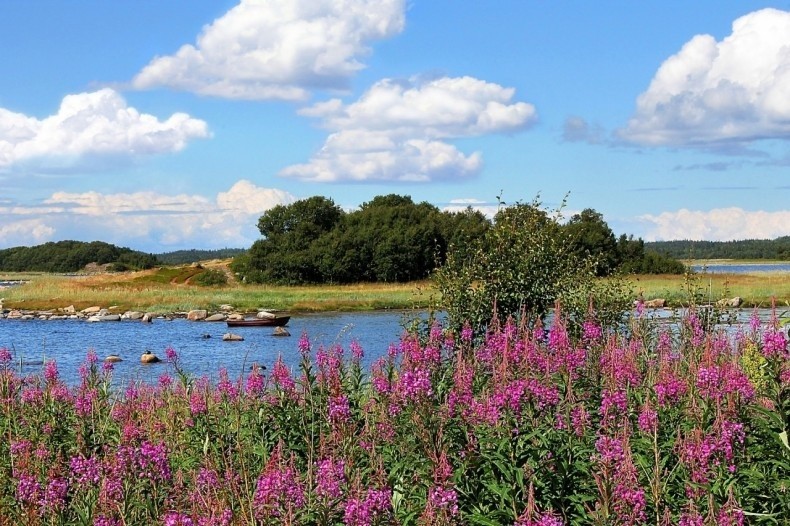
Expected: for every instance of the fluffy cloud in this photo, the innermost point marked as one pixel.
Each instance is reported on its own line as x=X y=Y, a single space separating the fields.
x=277 y=49
x=734 y=90
x=144 y=220
x=721 y=224
x=91 y=126
x=397 y=130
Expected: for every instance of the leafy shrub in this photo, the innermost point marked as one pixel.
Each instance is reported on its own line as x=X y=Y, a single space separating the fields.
x=210 y=277
x=521 y=266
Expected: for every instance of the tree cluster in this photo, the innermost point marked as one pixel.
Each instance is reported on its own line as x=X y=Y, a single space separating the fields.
x=777 y=249
x=71 y=256
x=389 y=239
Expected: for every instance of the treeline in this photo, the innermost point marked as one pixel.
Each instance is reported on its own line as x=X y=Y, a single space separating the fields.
x=394 y=239
x=71 y=256
x=778 y=249
x=181 y=257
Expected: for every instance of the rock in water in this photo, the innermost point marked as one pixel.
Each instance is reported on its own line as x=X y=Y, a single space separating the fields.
x=149 y=357
x=230 y=337
x=281 y=331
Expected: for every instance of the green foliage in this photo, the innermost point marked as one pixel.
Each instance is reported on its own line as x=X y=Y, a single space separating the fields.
x=71 y=256
x=521 y=266
x=210 y=277
x=389 y=239
x=777 y=249
x=180 y=257
x=591 y=237
x=635 y=259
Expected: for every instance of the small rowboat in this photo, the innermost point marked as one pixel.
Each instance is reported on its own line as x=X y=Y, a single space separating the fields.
x=277 y=321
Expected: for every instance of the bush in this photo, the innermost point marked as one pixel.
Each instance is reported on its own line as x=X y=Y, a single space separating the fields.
x=210 y=277
x=522 y=266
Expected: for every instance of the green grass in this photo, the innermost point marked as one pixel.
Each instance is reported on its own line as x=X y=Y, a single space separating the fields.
x=756 y=289
x=168 y=290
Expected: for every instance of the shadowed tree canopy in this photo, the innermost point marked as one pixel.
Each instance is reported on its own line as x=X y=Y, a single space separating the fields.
x=388 y=239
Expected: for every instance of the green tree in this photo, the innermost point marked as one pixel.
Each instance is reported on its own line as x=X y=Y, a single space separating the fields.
x=286 y=254
x=591 y=237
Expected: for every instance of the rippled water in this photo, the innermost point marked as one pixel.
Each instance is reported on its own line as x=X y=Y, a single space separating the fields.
x=198 y=344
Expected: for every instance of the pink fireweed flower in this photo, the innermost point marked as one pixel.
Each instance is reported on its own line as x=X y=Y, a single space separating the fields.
x=613 y=404
x=256 y=382
x=281 y=376
x=304 y=345
x=694 y=325
x=648 y=419
x=165 y=381
x=669 y=389
x=85 y=471
x=103 y=520
x=5 y=356
x=54 y=498
x=278 y=490
x=580 y=420
x=466 y=333
x=339 y=409
x=28 y=489
x=174 y=518
x=197 y=403
x=330 y=478
x=591 y=332
x=171 y=355
x=376 y=504
x=442 y=500
x=85 y=401
x=152 y=462
x=774 y=344
x=51 y=372
x=356 y=351
x=225 y=387
x=609 y=450
x=415 y=384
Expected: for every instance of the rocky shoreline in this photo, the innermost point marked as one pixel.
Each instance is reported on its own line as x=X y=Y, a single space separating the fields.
x=110 y=314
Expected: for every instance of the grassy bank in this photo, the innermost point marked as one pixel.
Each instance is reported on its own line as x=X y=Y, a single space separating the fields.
x=171 y=290
x=755 y=289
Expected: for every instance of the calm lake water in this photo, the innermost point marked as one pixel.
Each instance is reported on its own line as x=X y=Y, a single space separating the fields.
x=745 y=268
x=198 y=344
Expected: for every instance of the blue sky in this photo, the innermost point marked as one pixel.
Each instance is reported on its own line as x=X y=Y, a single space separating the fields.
x=170 y=125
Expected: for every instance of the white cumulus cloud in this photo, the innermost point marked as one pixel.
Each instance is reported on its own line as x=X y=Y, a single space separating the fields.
x=90 y=126
x=720 y=224
x=737 y=89
x=397 y=130
x=277 y=49
x=144 y=220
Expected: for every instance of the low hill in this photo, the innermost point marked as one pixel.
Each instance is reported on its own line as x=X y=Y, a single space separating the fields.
x=181 y=257
x=72 y=256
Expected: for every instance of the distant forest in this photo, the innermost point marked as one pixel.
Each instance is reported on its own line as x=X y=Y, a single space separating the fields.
x=777 y=249
x=71 y=256
x=180 y=257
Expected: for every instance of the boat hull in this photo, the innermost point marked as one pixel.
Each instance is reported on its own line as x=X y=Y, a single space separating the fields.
x=278 y=321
